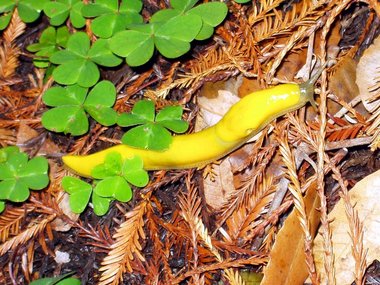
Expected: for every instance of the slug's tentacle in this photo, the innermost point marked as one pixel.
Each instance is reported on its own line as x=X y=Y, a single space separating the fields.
x=307 y=88
x=244 y=119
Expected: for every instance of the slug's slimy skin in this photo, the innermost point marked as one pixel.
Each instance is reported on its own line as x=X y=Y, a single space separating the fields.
x=244 y=120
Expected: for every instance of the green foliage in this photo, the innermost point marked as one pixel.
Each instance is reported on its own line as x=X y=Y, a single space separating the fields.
x=59 y=10
x=111 y=17
x=211 y=14
x=28 y=10
x=242 y=1
x=150 y=131
x=78 y=62
x=172 y=39
x=59 y=280
x=115 y=176
x=72 y=103
x=18 y=174
x=170 y=31
x=50 y=41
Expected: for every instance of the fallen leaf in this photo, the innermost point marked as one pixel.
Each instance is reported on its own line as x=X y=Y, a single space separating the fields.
x=367 y=74
x=219 y=184
x=287 y=258
x=364 y=196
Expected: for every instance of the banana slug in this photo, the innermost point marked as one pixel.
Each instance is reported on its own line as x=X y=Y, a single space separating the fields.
x=242 y=121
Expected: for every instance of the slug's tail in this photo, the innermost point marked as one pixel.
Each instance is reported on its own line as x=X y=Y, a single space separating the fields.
x=307 y=88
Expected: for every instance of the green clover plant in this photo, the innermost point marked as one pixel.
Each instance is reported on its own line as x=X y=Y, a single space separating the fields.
x=78 y=62
x=169 y=30
x=111 y=17
x=59 y=10
x=64 y=279
x=151 y=131
x=18 y=174
x=242 y=1
x=114 y=177
x=50 y=41
x=28 y=10
x=73 y=102
x=211 y=13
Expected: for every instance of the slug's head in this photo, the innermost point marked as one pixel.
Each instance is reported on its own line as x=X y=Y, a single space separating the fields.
x=307 y=88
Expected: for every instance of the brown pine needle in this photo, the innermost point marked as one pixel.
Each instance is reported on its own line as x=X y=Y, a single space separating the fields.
x=295 y=189
x=125 y=248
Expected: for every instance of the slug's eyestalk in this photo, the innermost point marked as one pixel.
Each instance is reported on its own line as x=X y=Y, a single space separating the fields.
x=307 y=88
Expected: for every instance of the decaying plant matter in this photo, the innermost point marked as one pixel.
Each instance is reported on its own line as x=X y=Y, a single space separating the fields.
x=169 y=233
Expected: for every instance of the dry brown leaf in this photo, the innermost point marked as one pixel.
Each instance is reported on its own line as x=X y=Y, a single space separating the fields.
x=342 y=84
x=287 y=258
x=367 y=73
x=59 y=224
x=365 y=196
x=219 y=184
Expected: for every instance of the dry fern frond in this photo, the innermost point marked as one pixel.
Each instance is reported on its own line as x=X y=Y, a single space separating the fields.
x=125 y=248
x=277 y=23
x=7 y=137
x=245 y=192
x=236 y=56
x=244 y=219
x=295 y=189
x=31 y=232
x=374 y=120
x=190 y=205
x=9 y=52
x=263 y=9
x=10 y=221
x=159 y=266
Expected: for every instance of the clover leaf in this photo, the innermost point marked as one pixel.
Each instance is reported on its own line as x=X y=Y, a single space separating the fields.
x=172 y=39
x=150 y=131
x=72 y=103
x=59 y=10
x=130 y=169
x=115 y=175
x=5 y=152
x=100 y=204
x=242 y=1
x=78 y=62
x=28 y=10
x=169 y=30
x=18 y=174
x=211 y=13
x=50 y=41
x=64 y=279
x=80 y=193
x=110 y=17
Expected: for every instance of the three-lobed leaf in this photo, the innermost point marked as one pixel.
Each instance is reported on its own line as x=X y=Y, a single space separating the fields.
x=18 y=175
x=59 y=10
x=212 y=14
x=151 y=131
x=173 y=38
x=28 y=10
x=110 y=17
x=80 y=193
x=111 y=166
x=50 y=40
x=77 y=63
x=72 y=103
x=114 y=187
x=171 y=118
x=133 y=171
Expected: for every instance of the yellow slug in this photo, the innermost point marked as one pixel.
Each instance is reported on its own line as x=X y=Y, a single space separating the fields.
x=244 y=119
